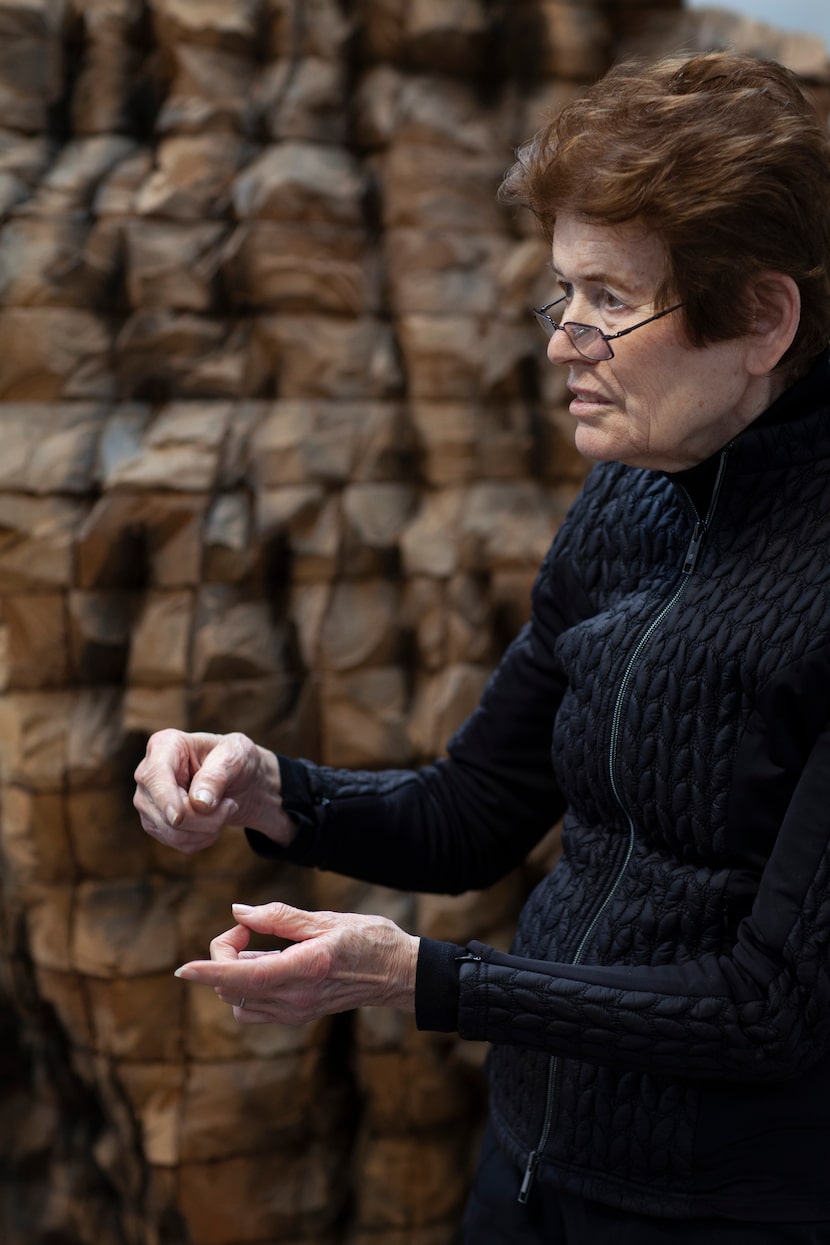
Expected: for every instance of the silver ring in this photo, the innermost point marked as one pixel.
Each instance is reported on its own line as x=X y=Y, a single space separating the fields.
x=242 y=1002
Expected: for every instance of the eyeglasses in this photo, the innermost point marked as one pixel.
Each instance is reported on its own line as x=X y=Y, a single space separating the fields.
x=587 y=339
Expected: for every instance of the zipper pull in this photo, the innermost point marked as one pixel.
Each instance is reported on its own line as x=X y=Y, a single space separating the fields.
x=530 y=1172
x=693 y=552
x=469 y=958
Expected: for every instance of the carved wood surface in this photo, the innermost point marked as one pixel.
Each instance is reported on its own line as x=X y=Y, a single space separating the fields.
x=280 y=454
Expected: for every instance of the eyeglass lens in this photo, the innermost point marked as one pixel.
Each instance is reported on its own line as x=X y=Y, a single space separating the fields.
x=585 y=338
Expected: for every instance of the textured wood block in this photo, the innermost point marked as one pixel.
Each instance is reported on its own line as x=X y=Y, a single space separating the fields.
x=36 y=847
x=506 y=524
x=137 y=1018
x=49 y=919
x=149 y=709
x=216 y=23
x=394 y=106
x=160 y=645
x=31 y=62
x=105 y=840
x=192 y=176
x=325 y=33
x=22 y=161
x=374 y=517
x=429 y=546
x=333 y=442
x=305 y=100
x=66 y=993
x=54 y=354
x=447 y=36
x=431 y=272
x=173 y=264
x=565 y=40
x=54 y=739
x=269 y=1197
x=333 y=358
x=458 y=918
x=255 y=1106
x=441 y=703
x=360 y=627
x=37 y=643
x=413 y=1090
x=50 y=448
x=236 y=637
x=286 y=266
x=33 y=739
x=265 y=709
x=316 y=543
x=441 y=188
x=297 y=181
x=229 y=551
x=460 y=442
x=79 y=168
x=453 y=358
x=429 y=1234
x=154 y=1091
x=411 y=1181
x=108 y=62
x=424 y=613
x=363 y=718
x=99 y=626
x=210 y=91
x=42 y=263
x=125 y=927
x=170 y=354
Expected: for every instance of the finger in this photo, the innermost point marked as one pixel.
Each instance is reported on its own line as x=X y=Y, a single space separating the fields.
x=162 y=777
x=281 y=920
x=227 y=946
x=238 y=978
x=220 y=768
x=183 y=839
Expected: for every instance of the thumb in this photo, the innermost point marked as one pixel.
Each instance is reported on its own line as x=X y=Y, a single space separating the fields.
x=279 y=919
x=209 y=783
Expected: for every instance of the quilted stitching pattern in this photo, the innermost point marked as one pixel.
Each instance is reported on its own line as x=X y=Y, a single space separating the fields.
x=629 y=1061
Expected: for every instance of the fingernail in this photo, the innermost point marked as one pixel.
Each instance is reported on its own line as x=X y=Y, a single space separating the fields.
x=241 y=907
x=173 y=815
x=183 y=973
x=203 y=796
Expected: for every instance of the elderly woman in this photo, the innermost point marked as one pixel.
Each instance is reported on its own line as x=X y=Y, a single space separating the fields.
x=660 y=1064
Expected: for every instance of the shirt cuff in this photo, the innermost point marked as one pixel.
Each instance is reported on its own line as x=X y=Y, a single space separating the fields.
x=299 y=803
x=436 y=985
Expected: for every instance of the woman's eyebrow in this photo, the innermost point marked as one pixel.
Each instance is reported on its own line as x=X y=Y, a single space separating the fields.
x=595 y=278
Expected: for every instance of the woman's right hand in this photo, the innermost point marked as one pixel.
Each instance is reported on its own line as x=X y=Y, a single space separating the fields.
x=189 y=786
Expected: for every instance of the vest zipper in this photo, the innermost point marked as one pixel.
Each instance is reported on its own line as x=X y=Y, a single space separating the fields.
x=689 y=563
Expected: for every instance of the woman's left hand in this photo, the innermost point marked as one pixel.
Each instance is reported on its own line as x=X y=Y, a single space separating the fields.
x=337 y=961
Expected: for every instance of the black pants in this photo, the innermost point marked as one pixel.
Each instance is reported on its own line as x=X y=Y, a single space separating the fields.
x=494 y=1216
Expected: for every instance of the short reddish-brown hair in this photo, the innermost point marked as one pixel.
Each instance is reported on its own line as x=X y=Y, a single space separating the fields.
x=724 y=157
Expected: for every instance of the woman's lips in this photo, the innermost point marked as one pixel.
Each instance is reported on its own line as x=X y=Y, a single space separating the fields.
x=585 y=401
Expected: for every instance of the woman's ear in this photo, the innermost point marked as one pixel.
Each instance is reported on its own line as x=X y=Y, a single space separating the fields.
x=777 y=301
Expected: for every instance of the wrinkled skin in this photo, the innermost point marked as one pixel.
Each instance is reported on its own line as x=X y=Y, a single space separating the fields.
x=189 y=787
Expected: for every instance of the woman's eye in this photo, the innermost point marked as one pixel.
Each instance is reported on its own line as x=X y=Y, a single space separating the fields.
x=610 y=301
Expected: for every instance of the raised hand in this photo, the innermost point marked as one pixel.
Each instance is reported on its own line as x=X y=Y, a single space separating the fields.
x=337 y=961
x=189 y=786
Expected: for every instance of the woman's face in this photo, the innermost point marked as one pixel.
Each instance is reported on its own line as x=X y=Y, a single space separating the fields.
x=660 y=402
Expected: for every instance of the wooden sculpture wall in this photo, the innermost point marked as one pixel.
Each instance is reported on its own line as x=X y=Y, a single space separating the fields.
x=279 y=454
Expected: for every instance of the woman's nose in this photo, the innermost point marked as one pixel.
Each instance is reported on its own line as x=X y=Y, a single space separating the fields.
x=560 y=348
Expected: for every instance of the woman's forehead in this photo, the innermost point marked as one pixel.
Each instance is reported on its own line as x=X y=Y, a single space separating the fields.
x=591 y=252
